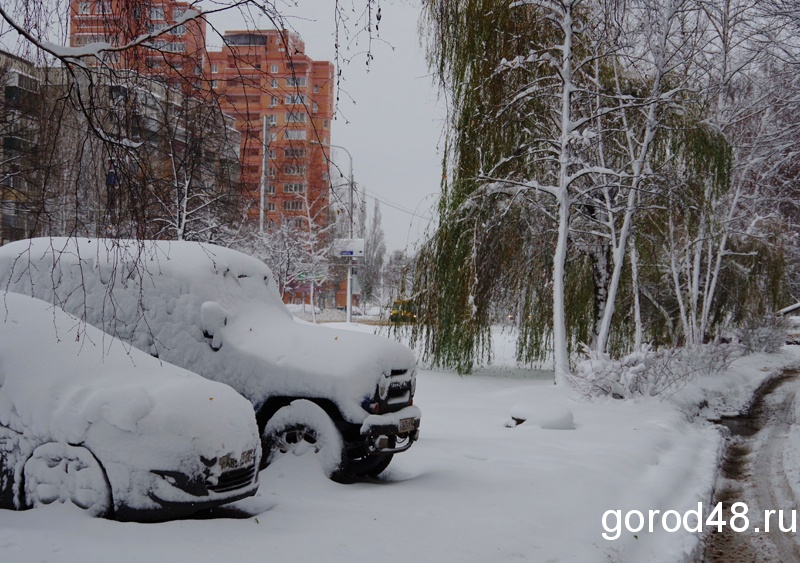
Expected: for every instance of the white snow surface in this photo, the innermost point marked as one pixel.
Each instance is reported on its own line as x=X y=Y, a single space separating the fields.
x=471 y=490
x=64 y=381
x=548 y=417
x=209 y=309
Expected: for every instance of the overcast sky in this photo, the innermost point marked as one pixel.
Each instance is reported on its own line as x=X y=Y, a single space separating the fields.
x=388 y=116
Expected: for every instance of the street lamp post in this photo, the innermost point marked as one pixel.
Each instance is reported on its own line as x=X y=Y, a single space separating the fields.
x=349 y=306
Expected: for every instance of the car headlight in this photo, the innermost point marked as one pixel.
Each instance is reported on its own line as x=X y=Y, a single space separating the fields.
x=193 y=485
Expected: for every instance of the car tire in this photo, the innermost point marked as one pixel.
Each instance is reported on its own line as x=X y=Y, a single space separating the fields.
x=58 y=472
x=380 y=466
x=302 y=427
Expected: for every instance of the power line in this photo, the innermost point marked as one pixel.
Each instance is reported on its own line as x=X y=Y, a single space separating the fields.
x=397 y=207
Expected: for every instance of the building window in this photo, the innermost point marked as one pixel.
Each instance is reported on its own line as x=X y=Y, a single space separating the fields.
x=274 y=83
x=214 y=68
x=293 y=205
x=294 y=188
x=273 y=153
x=295 y=135
x=273 y=102
x=273 y=136
x=296 y=81
x=176 y=47
x=294 y=153
x=215 y=84
x=156 y=13
x=272 y=172
x=177 y=13
x=104 y=7
x=295 y=117
x=270 y=207
x=326 y=123
x=273 y=69
x=179 y=30
x=84 y=8
x=272 y=119
x=316 y=88
x=294 y=170
x=316 y=107
x=295 y=99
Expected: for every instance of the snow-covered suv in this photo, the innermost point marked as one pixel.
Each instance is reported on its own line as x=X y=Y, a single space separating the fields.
x=347 y=396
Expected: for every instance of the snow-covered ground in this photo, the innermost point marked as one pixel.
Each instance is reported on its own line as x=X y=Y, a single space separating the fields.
x=471 y=490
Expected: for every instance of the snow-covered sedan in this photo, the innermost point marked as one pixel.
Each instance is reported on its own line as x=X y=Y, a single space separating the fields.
x=347 y=396
x=85 y=418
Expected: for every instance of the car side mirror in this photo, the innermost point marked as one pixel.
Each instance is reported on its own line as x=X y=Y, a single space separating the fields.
x=213 y=317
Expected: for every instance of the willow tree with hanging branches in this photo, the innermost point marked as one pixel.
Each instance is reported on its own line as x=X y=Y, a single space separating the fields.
x=575 y=132
x=532 y=88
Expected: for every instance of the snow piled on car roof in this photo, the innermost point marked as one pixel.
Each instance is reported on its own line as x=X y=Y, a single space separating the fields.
x=209 y=309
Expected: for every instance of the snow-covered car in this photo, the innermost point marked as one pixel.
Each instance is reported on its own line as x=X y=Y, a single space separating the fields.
x=345 y=395
x=85 y=418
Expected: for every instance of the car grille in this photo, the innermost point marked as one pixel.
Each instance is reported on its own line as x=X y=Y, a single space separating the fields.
x=400 y=389
x=234 y=479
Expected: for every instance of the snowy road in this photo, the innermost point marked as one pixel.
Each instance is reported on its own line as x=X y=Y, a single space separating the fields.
x=762 y=471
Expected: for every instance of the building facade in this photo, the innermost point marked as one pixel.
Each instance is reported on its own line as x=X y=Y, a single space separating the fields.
x=283 y=104
x=176 y=53
x=20 y=118
x=173 y=172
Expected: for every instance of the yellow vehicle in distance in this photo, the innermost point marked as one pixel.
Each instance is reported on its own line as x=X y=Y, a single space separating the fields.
x=403 y=311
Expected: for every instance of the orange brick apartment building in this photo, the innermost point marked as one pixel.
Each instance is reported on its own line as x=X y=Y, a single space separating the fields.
x=178 y=52
x=266 y=74
x=257 y=75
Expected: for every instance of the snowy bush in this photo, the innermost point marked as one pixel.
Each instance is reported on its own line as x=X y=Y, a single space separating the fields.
x=649 y=373
x=764 y=334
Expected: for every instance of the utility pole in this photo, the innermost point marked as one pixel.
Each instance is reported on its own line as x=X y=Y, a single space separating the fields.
x=352 y=220
x=264 y=173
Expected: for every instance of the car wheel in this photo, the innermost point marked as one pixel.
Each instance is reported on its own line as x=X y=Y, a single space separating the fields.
x=302 y=427
x=381 y=466
x=61 y=473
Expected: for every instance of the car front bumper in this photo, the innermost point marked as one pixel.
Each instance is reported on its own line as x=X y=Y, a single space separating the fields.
x=391 y=432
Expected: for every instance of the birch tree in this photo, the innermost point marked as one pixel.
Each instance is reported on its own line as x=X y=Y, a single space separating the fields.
x=582 y=134
x=723 y=236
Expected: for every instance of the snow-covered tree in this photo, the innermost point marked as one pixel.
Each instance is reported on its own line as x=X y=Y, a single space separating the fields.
x=195 y=197
x=374 y=255
x=576 y=130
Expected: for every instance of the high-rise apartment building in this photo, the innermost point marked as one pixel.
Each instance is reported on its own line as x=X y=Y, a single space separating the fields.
x=176 y=54
x=260 y=77
x=265 y=80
